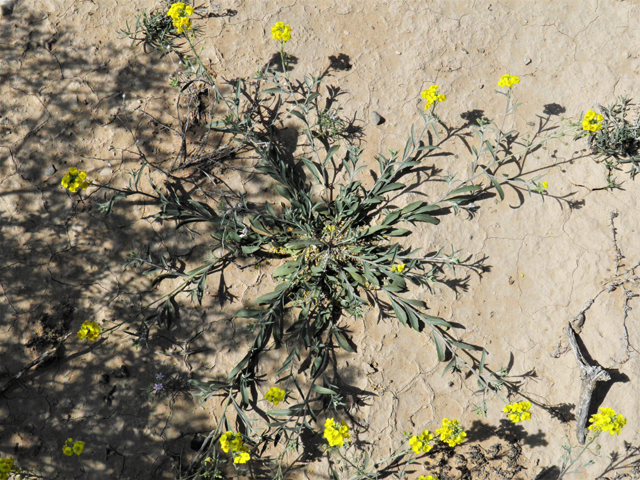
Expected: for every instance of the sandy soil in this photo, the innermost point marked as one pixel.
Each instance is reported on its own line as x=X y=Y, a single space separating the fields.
x=65 y=79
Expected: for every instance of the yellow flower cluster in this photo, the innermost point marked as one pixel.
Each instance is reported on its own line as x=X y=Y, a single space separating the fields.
x=335 y=436
x=6 y=464
x=398 y=268
x=451 y=432
x=428 y=477
x=180 y=14
x=518 y=411
x=234 y=442
x=607 y=421
x=508 y=81
x=71 y=447
x=281 y=32
x=89 y=330
x=275 y=395
x=420 y=444
x=592 y=122
x=75 y=180
x=432 y=96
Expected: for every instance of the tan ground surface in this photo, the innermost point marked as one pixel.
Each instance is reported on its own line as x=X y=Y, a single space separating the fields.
x=64 y=74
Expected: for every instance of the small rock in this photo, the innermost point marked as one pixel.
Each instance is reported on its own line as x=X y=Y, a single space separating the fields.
x=104 y=378
x=464 y=51
x=481 y=50
x=196 y=442
x=50 y=171
x=6 y=7
x=527 y=61
x=122 y=372
x=531 y=124
x=376 y=118
x=398 y=53
x=481 y=86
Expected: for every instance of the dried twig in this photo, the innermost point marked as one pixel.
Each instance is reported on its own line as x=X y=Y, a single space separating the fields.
x=37 y=361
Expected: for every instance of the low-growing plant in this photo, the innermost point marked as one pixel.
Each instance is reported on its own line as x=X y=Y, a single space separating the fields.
x=614 y=136
x=341 y=241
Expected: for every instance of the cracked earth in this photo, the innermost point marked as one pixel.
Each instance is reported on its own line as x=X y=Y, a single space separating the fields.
x=66 y=77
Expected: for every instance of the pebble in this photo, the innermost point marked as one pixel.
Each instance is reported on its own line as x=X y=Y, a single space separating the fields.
x=6 y=7
x=104 y=378
x=376 y=118
x=527 y=61
x=481 y=50
x=123 y=372
x=50 y=171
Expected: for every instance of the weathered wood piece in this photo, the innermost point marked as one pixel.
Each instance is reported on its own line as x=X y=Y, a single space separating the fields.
x=589 y=375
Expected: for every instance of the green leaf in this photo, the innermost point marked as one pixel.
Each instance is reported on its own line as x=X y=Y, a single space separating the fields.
x=303 y=243
x=312 y=168
x=286 y=269
x=250 y=313
x=450 y=365
x=497 y=186
x=398 y=232
x=358 y=278
x=322 y=390
x=427 y=147
x=390 y=188
x=299 y=115
x=240 y=366
x=274 y=90
x=481 y=367
x=439 y=349
x=468 y=188
x=342 y=341
x=464 y=346
x=436 y=321
x=286 y=412
x=424 y=218
x=249 y=249
x=282 y=191
x=330 y=154
x=392 y=217
x=400 y=312
x=413 y=320
x=412 y=206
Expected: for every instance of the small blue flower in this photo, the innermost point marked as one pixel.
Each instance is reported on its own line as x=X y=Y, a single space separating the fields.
x=157 y=387
x=159 y=376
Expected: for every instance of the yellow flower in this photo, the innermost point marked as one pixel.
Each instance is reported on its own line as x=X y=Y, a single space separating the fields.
x=70 y=448
x=432 y=96
x=508 y=80
x=451 y=432
x=225 y=442
x=607 y=421
x=428 y=477
x=75 y=180
x=421 y=442
x=6 y=464
x=281 y=32
x=335 y=436
x=89 y=330
x=398 y=268
x=241 y=456
x=234 y=442
x=180 y=14
x=545 y=185
x=518 y=411
x=78 y=447
x=275 y=395
x=592 y=122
